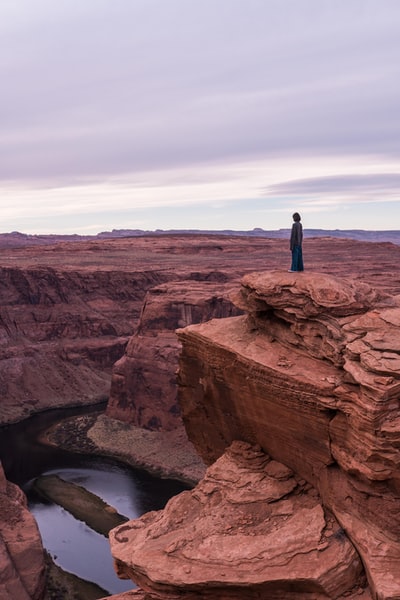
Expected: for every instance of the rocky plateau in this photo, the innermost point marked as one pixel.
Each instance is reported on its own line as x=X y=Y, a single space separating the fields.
x=287 y=386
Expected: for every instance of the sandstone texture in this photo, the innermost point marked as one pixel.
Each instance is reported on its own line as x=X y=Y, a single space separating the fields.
x=22 y=565
x=311 y=383
x=61 y=332
x=311 y=374
x=250 y=529
x=67 y=310
x=143 y=386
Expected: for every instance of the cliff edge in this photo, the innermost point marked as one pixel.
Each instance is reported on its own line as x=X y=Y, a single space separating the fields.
x=295 y=407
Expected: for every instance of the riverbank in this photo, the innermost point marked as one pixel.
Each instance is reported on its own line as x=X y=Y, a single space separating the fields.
x=165 y=454
x=79 y=502
x=61 y=585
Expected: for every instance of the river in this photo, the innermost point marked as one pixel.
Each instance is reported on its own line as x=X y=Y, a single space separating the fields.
x=72 y=544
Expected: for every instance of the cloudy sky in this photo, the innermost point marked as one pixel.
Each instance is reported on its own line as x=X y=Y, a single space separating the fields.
x=206 y=114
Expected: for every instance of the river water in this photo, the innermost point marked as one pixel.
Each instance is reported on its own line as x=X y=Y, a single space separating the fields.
x=72 y=544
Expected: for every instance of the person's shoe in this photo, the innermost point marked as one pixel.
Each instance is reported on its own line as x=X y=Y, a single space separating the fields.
x=291 y=271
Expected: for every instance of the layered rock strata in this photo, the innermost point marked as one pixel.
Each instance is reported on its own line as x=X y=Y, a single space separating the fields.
x=250 y=529
x=143 y=385
x=22 y=566
x=67 y=310
x=60 y=334
x=311 y=374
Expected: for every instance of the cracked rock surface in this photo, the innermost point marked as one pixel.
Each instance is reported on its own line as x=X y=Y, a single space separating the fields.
x=250 y=529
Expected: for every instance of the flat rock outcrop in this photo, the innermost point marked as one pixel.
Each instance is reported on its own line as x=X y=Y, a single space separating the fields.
x=250 y=529
x=22 y=566
x=311 y=374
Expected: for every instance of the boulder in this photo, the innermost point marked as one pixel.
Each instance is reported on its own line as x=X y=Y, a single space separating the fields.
x=250 y=529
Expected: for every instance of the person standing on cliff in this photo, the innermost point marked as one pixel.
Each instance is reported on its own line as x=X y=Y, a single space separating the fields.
x=296 y=241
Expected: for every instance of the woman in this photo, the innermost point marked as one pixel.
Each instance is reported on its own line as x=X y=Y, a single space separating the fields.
x=296 y=241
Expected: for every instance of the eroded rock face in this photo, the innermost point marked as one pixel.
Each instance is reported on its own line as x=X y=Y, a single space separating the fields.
x=143 y=386
x=311 y=374
x=307 y=297
x=22 y=567
x=250 y=529
x=60 y=334
x=67 y=310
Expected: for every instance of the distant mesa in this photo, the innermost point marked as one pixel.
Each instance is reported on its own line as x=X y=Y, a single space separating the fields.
x=17 y=239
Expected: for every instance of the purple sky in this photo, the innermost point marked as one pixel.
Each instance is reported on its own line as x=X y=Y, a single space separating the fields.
x=207 y=114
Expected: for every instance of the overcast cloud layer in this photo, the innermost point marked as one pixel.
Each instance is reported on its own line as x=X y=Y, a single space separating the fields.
x=199 y=114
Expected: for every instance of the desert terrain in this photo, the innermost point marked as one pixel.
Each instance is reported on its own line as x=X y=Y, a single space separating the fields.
x=96 y=319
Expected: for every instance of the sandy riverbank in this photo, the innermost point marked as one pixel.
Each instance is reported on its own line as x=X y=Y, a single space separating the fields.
x=166 y=454
x=163 y=454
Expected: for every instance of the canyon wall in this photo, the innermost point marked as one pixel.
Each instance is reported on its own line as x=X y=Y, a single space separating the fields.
x=206 y=272
x=68 y=310
x=143 y=385
x=67 y=314
x=295 y=405
x=22 y=567
x=60 y=333
x=312 y=376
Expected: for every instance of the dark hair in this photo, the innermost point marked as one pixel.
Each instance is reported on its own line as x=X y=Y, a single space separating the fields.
x=296 y=217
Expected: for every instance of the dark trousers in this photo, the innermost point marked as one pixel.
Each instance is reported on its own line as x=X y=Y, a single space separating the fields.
x=297 y=259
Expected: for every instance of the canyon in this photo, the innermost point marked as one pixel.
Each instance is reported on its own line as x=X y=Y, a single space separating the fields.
x=288 y=390
x=311 y=376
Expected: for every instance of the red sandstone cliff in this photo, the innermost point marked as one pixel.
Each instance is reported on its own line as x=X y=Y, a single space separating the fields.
x=67 y=312
x=143 y=386
x=250 y=530
x=310 y=379
x=22 y=565
x=312 y=374
x=61 y=332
